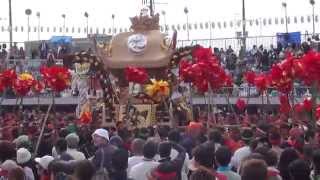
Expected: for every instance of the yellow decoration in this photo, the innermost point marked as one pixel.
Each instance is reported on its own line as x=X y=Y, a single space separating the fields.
x=25 y=77
x=158 y=89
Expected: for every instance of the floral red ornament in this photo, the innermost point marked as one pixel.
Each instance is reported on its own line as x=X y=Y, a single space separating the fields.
x=228 y=81
x=249 y=76
x=311 y=64
x=298 y=69
x=200 y=53
x=23 y=84
x=202 y=86
x=56 y=77
x=281 y=76
x=241 y=104
x=261 y=82
x=7 y=77
x=205 y=72
x=136 y=75
x=185 y=71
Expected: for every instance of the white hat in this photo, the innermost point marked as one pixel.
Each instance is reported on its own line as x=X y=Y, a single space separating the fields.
x=44 y=161
x=23 y=155
x=102 y=133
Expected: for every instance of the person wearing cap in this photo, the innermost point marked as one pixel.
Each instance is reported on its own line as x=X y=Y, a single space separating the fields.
x=73 y=142
x=105 y=149
x=245 y=151
x=43 y=163
x=22 y=141
x=24 y=160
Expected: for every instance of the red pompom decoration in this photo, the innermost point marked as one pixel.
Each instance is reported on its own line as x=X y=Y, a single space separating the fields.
x=261 y=82
x=136 y=75
x=7 y=77
x=249 y=77
x=56 y=77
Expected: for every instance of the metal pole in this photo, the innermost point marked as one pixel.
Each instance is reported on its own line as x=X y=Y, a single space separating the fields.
x=28 y=28
x=113 y=30
x=286 y=14
x=10 y=23
x=39 y=28
x=165 y=24
x=64 y=26
x=188 y=32
x=244 y=26
x=260 y=26
x=87 y=26
x=210 y=33
x=313 y=24
x=151 y=8
x=287 y=22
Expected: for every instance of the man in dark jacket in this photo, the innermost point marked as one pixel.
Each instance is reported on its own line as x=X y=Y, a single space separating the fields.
x=105 y=150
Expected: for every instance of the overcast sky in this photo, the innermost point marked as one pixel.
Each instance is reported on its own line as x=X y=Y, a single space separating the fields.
x=100 y=12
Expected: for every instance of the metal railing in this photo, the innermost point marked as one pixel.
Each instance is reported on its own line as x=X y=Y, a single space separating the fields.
x=28 y=65
x=243 y=92
x=234 y=42
x=222 y=97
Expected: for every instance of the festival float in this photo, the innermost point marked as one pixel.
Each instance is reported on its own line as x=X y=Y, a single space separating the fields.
x=139 y=74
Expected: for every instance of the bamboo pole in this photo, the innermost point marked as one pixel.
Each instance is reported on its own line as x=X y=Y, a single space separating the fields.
x=43 y=127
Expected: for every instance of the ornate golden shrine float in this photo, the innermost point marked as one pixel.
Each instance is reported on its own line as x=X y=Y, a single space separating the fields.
x=138 y=62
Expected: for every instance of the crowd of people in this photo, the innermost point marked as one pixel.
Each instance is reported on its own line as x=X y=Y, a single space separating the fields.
x=80 y=152
x=257 y=58
x=263 y=146
x=13 y=53
x=44 y=51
